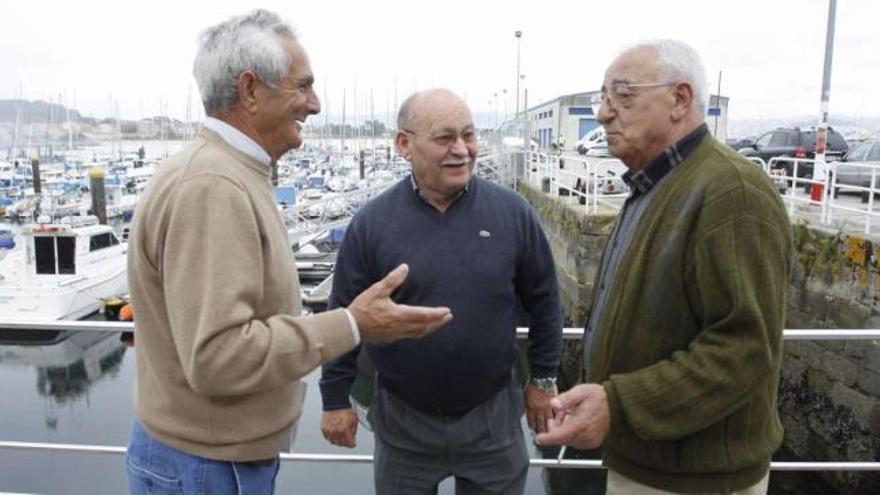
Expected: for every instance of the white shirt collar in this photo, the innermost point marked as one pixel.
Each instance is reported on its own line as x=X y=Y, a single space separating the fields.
x=238 y=140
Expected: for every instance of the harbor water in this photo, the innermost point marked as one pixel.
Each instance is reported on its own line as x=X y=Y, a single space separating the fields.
x=77 y=389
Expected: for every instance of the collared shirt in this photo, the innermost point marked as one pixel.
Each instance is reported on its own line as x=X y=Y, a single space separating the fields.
x=242 y=142
x=642 y=186
x=238 y=140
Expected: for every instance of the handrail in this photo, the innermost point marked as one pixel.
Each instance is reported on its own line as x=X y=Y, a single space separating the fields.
x=559 y=462
x=570 y=333
x=367 y=459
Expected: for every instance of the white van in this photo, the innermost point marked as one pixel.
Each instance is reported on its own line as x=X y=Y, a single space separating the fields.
x=592 y=139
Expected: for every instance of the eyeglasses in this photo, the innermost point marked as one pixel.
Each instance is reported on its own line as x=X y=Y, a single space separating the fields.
x=447 y=139
x=622 y=93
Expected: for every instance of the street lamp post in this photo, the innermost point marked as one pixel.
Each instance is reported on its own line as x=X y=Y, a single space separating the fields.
x=518 y=35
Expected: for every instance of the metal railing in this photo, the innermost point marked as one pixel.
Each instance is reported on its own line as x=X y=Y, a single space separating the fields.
x=859 y=177
x=570 y=333
x=868 y=174
x=559 y=462
x=593 y=183
x=820 y=195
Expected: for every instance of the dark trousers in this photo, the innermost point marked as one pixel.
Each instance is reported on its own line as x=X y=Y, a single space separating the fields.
x=484 y=449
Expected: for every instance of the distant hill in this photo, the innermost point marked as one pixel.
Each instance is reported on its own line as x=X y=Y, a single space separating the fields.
x=35 y=111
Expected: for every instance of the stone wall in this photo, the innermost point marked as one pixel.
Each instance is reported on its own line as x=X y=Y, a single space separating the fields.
x=829 y=390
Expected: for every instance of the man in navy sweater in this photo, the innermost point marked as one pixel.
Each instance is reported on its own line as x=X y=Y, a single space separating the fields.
x=446 y=405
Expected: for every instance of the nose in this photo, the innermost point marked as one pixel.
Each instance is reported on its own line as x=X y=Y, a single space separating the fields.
x=313 y=104
x=459 y=147
x=606 y=112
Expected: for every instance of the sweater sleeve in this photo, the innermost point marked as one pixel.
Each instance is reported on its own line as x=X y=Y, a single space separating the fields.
x=213 y=274
x=350 y=278
x=538 y=292
x=739 y=279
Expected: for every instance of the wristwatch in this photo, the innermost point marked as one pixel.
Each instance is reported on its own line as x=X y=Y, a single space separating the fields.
x=546 y=384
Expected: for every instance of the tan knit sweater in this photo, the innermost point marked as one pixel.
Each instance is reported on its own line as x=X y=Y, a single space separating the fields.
x=220 y=346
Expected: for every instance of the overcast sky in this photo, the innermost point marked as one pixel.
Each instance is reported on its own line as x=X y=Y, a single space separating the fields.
x=770 y=52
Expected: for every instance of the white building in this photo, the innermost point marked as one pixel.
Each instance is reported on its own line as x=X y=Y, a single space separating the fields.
x=572 y=117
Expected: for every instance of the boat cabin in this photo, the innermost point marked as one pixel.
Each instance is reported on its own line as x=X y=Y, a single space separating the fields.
x=55 y=248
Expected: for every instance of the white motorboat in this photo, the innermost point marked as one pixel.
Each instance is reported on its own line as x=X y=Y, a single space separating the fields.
x=62 y=271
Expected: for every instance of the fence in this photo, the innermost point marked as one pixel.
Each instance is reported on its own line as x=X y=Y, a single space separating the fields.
x=559 y=462
x=597 y=184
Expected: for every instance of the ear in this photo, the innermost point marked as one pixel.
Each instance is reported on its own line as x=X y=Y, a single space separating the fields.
x=247 y=91
x=402 y=144
x=683 y=100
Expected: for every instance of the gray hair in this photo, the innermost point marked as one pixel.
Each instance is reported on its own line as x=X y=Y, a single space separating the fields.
x=245 y=43
x=679 y=61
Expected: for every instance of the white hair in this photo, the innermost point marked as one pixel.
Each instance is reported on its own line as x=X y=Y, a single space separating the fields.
x=249 y=42
x=678 y=61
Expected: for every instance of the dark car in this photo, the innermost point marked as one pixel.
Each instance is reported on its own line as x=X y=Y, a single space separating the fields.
x=852 y=169
x=738 y=144
x=795 y=142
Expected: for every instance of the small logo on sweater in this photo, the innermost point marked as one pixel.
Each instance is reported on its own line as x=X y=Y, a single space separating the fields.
x=485 y=234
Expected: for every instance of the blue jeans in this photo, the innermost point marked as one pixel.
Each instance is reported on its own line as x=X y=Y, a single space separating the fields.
x=155 y=468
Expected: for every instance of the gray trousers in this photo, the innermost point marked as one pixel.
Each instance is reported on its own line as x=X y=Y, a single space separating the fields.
x=484 y=449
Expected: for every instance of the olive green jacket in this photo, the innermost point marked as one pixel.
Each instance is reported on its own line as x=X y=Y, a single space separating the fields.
x=689 y=344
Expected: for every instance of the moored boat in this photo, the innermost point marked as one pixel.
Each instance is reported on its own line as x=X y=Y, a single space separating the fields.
x=62 y=270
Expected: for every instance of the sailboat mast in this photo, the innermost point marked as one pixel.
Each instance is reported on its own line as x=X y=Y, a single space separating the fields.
x=69 y=125
x=342 y=131
x=17 y=126
x=324 y=129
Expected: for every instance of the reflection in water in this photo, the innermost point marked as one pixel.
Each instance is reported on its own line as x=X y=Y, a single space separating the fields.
x=67 y=363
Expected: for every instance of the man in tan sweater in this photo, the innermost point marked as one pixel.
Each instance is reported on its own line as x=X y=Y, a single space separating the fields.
x=220 y=343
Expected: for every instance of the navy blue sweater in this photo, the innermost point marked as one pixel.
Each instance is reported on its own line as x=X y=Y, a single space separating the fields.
x=481 y=257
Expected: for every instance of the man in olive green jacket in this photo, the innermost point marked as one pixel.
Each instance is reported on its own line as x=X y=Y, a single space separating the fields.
x=684 y=341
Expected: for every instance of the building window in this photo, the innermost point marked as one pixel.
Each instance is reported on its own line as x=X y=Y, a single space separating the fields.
x=580 y=111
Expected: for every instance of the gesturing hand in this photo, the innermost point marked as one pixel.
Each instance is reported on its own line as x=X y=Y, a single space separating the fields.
x=381 y=319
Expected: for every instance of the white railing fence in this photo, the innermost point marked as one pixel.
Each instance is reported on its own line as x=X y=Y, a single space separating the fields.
x=559 y=462
x=597 y=184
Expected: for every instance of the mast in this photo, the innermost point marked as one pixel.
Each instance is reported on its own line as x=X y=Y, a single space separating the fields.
x=326 y=128
x=17 y=130
x=46 y=134
x=342 y=132
x=354 y=119
x=69 y=125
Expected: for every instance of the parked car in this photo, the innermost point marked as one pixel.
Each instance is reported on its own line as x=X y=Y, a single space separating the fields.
x=591 y=139
x=740 y=143
x=599 y=150
x=856 y=168
x=795 y=142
